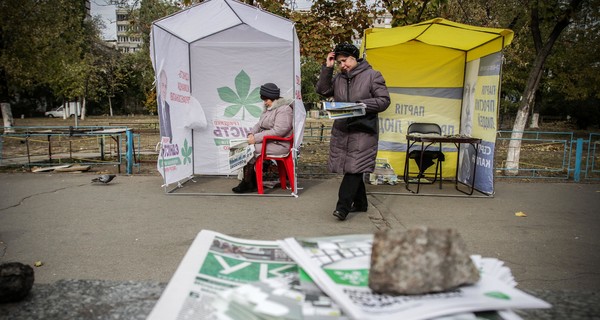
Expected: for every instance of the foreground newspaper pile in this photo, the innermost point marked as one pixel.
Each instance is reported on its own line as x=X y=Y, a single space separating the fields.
x=222 y=277
x=339 y=110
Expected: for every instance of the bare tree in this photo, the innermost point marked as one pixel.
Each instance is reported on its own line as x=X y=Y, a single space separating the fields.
x=562 y=15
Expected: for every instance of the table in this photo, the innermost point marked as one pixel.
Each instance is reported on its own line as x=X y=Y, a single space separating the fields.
x=426 y=141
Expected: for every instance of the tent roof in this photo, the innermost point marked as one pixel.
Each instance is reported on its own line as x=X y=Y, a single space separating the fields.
x=213 y=16
x=476 y=41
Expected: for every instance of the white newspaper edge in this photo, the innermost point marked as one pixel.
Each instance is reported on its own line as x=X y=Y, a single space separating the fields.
x=341 y=114
x=333 y=105
x=173 y=297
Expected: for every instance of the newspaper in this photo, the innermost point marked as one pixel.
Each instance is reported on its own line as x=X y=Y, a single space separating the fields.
x=214 y=263
x=340 y=267
x=277 y=298
x=425 y=135
x=383 y=173
x=227 y=278
x=339 y=110
x=239 y=153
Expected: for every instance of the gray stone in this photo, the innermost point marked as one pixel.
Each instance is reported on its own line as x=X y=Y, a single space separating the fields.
x=420 y=260
x=16 y=280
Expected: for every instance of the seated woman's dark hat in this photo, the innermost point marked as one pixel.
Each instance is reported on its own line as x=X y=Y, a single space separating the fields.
x=269 y=91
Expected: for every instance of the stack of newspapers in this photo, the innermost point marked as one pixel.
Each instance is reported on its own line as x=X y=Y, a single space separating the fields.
x=223 y=277
x=339 y=110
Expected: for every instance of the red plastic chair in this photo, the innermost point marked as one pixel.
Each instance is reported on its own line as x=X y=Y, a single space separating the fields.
x=285 y=164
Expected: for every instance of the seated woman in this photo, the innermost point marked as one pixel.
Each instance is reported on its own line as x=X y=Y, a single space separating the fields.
x=276 y=120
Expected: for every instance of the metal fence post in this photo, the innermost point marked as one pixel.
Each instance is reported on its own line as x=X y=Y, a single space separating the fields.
x=578 y=153
x=321 y=132
x=129 y=134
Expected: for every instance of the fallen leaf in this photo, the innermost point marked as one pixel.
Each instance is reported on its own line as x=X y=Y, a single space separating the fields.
x=38 y=264
x=520 y=214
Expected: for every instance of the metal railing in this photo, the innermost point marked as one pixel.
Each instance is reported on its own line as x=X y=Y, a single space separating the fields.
x=592 y=161
x=542 y=154
x=84 y=145
x=550 y=155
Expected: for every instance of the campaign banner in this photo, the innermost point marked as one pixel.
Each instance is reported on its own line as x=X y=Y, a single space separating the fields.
x=174 y=106
x=409 y=105
x=479 y=119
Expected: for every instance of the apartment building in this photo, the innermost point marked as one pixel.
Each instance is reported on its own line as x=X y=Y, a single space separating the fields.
x=128 y=40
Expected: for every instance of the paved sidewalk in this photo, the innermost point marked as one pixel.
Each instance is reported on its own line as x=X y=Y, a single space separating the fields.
x=131 y=233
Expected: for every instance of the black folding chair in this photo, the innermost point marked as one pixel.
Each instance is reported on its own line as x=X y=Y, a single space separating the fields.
x=423 y=156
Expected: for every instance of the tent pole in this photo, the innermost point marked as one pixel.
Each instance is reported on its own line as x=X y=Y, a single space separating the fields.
x=191 y=94
x=462 y=99
x=193 y=156
x=498 y=109
x=294 y=150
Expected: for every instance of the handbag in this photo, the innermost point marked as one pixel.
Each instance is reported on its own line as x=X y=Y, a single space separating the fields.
x=368 y=123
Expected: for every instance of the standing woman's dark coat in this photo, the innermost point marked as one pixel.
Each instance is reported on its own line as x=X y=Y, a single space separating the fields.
x=354 y=151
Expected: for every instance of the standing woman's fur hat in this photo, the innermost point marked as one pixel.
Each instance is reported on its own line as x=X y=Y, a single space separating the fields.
x=346 y=49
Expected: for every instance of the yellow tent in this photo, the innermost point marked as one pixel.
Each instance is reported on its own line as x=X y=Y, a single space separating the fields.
x=443 y=72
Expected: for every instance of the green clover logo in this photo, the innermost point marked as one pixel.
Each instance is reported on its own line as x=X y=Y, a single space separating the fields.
x=186 y=152
x=242 y=99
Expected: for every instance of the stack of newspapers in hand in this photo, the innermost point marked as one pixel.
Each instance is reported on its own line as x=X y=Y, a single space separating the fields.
x=339 y=110
x=223 y=277
x=240 y=153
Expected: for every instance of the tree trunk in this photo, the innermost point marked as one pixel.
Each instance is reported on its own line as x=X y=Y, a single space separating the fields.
x=83 y=108
x=514 y=146
x=543 y=51
x=535 y=121
x=65 y=110
x=8 y=117
x=110 y=111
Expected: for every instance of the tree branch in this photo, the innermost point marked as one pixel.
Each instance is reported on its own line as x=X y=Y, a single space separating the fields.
x=421 y=11
x=535 y=26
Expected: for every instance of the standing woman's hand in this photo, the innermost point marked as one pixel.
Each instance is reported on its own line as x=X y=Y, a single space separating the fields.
x=330 y=60
x=251 y=139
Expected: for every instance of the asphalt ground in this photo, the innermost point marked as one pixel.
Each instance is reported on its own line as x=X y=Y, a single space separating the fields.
x=132 y=231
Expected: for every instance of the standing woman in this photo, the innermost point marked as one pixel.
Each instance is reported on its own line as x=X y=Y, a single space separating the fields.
x=353 y=146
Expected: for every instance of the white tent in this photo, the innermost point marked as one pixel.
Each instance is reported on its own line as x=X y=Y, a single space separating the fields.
x=213 y=58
